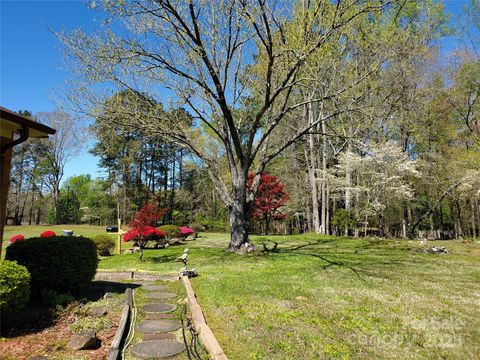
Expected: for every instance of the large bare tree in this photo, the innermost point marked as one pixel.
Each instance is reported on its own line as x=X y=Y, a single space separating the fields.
x=234 y=65
x=56 y=151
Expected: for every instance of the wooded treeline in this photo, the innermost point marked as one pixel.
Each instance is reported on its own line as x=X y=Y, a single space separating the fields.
x=138 y=166
x=351 y=104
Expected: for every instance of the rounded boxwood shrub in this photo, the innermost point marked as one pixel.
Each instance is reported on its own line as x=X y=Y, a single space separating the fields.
x=105 y=244
x=61 y=263
x=170 y=231
x=14 y=286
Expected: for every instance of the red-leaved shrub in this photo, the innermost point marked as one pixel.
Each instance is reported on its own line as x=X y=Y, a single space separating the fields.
x=48 y=233
x=146 y=233
x=185 y=231
x=16 y=238
x=142 y=227
x=130 y=235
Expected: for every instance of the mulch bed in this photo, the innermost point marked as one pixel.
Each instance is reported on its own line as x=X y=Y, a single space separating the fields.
x=52 y=341
x=44 y=331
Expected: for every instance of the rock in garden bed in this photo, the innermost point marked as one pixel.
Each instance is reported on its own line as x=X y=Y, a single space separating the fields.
x=86 y=340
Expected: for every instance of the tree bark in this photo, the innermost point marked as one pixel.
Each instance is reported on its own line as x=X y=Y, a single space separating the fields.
x=324 y=180
x=239 y=215
x=459 y=218
x=348 y=181
x=311 y=160
x=357 y=208
x=474 y=225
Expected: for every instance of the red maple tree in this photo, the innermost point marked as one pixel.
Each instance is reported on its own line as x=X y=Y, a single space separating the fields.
x=142 y=227
x=270 y=197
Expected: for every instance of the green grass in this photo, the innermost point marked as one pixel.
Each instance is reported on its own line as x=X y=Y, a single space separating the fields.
x=35 y=230
x=315 y=297
x=332 y=298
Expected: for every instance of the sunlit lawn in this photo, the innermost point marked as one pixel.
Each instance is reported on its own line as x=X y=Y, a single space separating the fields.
x=35 y=230
x=316 y=297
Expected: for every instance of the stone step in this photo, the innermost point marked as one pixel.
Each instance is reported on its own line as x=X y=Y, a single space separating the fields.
x=158 y=308
x=155 y=287
x=157 y=349
x=158 y=326
x=160 y=295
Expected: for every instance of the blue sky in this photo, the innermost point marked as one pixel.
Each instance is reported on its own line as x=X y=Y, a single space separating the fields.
x=31 y=66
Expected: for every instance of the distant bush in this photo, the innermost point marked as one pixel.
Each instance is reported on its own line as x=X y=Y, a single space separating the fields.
x=47 y=233
x=170 y=231
x=105 y=244
x=198 y=227
x=186 y=231
x=16 y=238
x=343 y=219
x=61 y=263
x=212 y=225
x=14 y=286
x=143 y=236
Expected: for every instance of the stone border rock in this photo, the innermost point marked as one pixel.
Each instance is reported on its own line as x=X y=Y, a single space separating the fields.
x=122 y=329
x=133 y=275
x=205 y=334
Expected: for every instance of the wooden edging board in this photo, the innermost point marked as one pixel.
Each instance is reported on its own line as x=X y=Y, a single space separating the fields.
x=114 y=351
x=205 y=334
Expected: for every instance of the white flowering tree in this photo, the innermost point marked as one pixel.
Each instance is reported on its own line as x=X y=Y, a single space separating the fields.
x=386 y=176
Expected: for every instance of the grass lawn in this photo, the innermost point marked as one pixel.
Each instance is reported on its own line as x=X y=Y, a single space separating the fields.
x=314 y=297
x=35 y=230
x=317 y=297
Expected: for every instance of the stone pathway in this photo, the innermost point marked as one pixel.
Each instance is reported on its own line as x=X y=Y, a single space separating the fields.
x=158 y=341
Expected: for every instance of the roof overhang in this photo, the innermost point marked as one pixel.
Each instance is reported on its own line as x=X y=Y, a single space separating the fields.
x=11 y=122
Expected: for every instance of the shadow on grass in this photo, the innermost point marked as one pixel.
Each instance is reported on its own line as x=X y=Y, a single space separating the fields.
x=160 y=259
x=297 y=250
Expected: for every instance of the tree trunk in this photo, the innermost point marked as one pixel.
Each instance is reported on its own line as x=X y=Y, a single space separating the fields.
x=324 y=180
x=365 y=226
x=238 y=225
x=459 y=219
x=382 y=225
x=357 y=208
x=240 y=212
x=327 y=214
x=311 y=160
x=432 y=225
x=474 y=225
x=348 y=181
x=22 y=211
x=172 y=192
x=30 y=213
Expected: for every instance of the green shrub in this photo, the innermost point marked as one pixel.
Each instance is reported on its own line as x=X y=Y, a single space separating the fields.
x=198 y=227
x=53 y=298
x=105 y=244
x=14 y=286
x=344 y=219
x=61 y=263
x=170 y=231
x=212 y=225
